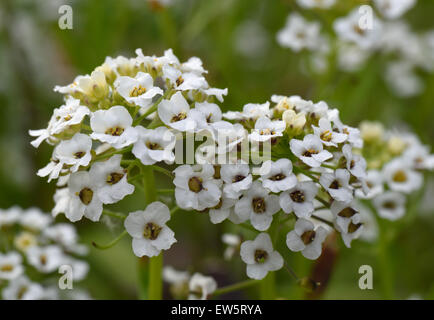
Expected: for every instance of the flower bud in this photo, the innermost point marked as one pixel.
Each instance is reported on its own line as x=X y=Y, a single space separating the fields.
x=294 y=121
x=396 y=145
x=371 y=131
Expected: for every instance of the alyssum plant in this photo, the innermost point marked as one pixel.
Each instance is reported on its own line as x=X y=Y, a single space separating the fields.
x=273 y=168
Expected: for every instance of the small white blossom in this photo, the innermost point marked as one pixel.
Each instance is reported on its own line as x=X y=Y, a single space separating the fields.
x=310 y=150
x=299 y=199
x=233 y=243
x=277 y=175
x=10 y=266
x=393 y=9
x=201 y=287
x=237 y=178
x=348 y=29
x=325 y=132
x=34 y=219
x=23 y=289
x=113 y=126
x=265 y=129
x=139 y=90
x=299 y=34
x=195 y=187
x=84 y=200
x=337 y=184
x=62 y=233
x=222 y=210
x=69 y=114
x=111 y=180
x=149 y=230
x=258 y=205
x=73 y=153
x=10 y=216
x=390 y=205
x=400 y=177
x=306 y=238
x=184 y=80
x=45 y=259
x=355 y=163
x=372 y=185
x=205 y=113
x=260 y=256
x=154 y=145
x=175 y=113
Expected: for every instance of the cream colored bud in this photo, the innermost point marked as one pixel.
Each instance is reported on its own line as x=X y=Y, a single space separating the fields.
x=294 y=120
x=396 y=145
x=371 y=131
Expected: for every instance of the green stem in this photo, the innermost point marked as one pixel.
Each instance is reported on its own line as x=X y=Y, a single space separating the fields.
x=235 y=287
x=111 y=243
x=113 y=214
x=386 y=272
x=268 y=287
x=155 y=284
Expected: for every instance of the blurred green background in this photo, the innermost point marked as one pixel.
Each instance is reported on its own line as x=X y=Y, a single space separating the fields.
x=236 y=41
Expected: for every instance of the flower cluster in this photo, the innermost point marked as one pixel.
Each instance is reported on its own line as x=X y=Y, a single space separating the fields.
x=396 y=162
x=33 y=246
x=279 y=163
x=361 y=34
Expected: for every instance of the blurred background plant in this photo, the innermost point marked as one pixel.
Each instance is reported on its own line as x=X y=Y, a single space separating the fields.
x=236 y=39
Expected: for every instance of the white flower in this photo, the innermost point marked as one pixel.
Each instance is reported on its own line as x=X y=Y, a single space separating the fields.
x=355 y=163
x=149 y=231
x=393 y=9
x=277 y=175
x=154 y=145
x=23 y=289
x=173 y=276
x=265 y=129
x=80 y=268
x=62 y=233
x=233 y=243
x=323 y=4
x=10 y=266
x=84 y=200
x=139 y=90
x=260 y=256
x=25 y=240
x=400 y=177
x=183 y=81
x=113 y=126
x=419 y=155
x=34 y=219
x=194 y=65
x=69 y=114
x=299 y=199
x=402 y=79
x=258 y=205
x=351 y=57
x=74 y=152
x=10 y=216
x=299 y=34
x=306 y=238
x=310 y=150
x=201 y=287
x=222 y=210
x=327 y=135
x=45 y=259
x=256 y=110
x=90 y=85
x=205 y=113
x=390 y=205
x=349 y=29
x=237 y=178
x=337 y=184
x=195 y=187
x=61 y=199
x=227 y=135
x=175 y=113
x=372 y=185
x=216 y=92
x=343 y=212
x=111 y=180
